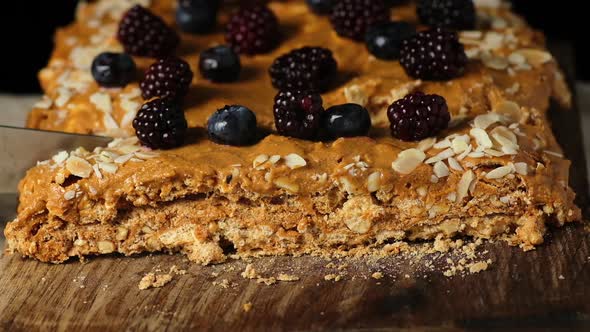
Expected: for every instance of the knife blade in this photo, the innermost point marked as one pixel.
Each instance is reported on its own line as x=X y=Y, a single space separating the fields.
x=21 y=148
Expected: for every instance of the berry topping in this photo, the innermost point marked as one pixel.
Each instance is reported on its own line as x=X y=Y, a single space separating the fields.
x=385 y=40
x=454 y=14
x=145 y=34
x=232 y=125
x=298 y=114
x=434 y=54
x=220 y=64
x=196 y=16
x=167 y=78
x=252 y=30
x=160 y=124
x=418 y=116
x=307 y=69
x=113 y=69
x=346 y=120
x=352 y=18
x=321 y=7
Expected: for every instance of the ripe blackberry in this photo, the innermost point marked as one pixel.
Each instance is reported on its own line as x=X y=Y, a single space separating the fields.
x=298 y=114
x=435 y=54
x=352 y=18
x=306 y=69
x=144 y=34
x=252 y=30
x=160 y=124
x=167 y=78
x=418 y=116
x=454 y=14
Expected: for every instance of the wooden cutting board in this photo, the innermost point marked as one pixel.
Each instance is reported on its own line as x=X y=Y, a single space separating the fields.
x=544 y=289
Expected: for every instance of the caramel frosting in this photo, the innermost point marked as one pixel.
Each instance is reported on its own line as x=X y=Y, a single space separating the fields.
x=496 y=170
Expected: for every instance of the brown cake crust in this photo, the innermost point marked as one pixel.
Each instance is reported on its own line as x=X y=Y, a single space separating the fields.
x=289 y=196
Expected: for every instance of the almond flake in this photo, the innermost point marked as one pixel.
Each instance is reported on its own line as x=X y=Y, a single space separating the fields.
x=500 y=172
x=481 y=137
x=408 y=160
x=374 y=182
x=97 y=171
x=452 y=197
x=434 y=178
x=69 y=195
x=44 y=103
x=446 y=143
x=108 y=167
x=146 y=154
x=476 y=154
x=426 y=144
x=441 y=170
x=440 y=156
x=465 y=153
x=504 y=136
x=63 y=96
x=521 y=168
x=102 y=101
x=464 y=183
x=493 y=153
x=124 y=158
x=516 y=58
x=287 y=184
x=454 y=164
x=535 y=57
x=483 y=121
x=294 y=161
x=554 y=154
x=459 y=144
x=78 y=167
x=495 y=62
x=60 y=157
x=509 y=109
x=274 y=159
x=259 y=160
x=509 y=150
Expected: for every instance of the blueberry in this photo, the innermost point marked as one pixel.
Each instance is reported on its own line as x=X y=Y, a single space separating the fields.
x=196 y=16
x=321 y=7
x=347 y=120
x=220 y=64
x=385 y=40
x=113 y=69
x=232 y=125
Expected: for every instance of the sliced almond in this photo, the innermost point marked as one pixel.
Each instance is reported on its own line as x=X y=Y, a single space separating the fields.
x=408 y=160
x=446 y=143
x=102 y=101
x=553 y=153
x=426 y=144
x=440 y=156
x=78 y=167
x=509 y=110
x=69 y=195
x=521 y=168
x=483 y=121
x=259 y=160
x=481 y=137
x=60 y=157
x=108 y=167
x=500 y=172
x=124 y=158
x=454 y=164
x=504 y=136
x=464 y=183
x=459 y=144
x=374 y=182
x=287 y=184
x=274 y=159
x=493 y=153
x=294 y=161
x=441 y=170
x=509 y=150
x=535 y=57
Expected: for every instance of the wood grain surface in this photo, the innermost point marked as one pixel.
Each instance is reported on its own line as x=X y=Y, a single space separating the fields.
x=545 y=289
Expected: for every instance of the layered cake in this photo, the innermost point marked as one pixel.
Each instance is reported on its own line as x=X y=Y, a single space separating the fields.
x=293 y=127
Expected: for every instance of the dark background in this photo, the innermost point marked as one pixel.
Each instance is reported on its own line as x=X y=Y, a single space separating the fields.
x=27 y=27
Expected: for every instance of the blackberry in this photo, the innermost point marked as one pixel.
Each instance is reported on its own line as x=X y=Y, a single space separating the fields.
x=220 y=64
x=307 y=69
x=352 y=18
x=167 y=78
x=348 y=120
x=252 y=30
x=385 y=40
x=113 y=69
x=196 y=16
x=418 y=116
x=321 y=7
x=434 y=54
x=144 y=34
x=232 y=125
x=298 y=114
x=454 y=14
x=160 y=124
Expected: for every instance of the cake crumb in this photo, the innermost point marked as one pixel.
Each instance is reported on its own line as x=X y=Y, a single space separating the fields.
x=247 y=307
x=478 y=267
x=332 y=276
x=266 y=281
x=152 y=280
x=224 y=283
x=249 y=272
x=561 y=277
x=287 y=277
x=377 y=275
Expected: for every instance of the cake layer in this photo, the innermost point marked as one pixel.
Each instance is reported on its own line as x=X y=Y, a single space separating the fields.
x=496 y=171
